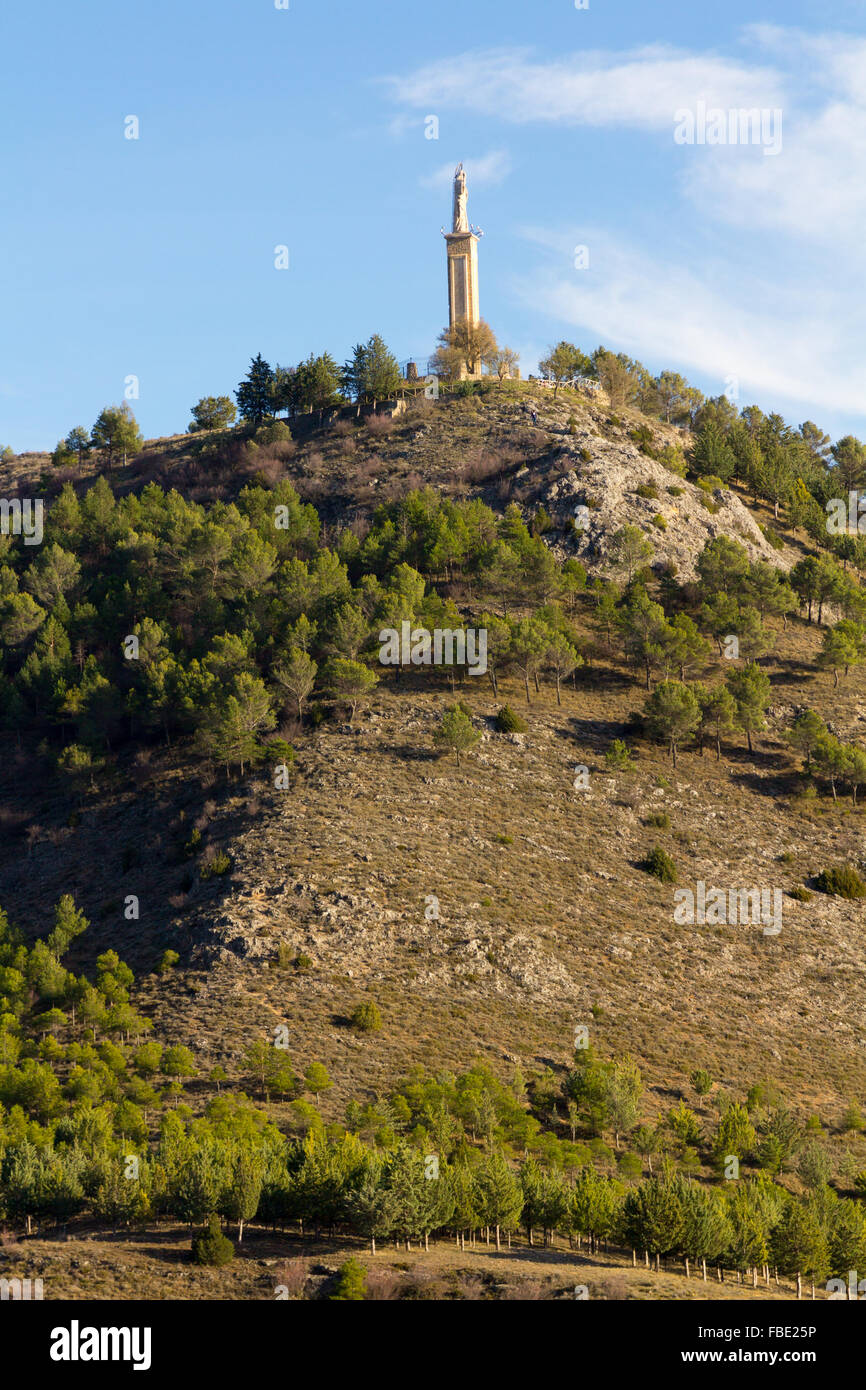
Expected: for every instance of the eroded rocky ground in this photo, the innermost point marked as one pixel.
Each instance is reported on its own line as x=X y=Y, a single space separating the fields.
x=545 y=919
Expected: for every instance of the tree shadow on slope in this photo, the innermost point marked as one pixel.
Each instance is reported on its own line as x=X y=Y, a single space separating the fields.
x=121 y=851
x=763 y=771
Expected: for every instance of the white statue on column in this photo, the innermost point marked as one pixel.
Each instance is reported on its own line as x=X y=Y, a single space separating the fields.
x=461 y=198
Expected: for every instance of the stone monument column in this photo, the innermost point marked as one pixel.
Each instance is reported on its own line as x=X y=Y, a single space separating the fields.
x=462 y=247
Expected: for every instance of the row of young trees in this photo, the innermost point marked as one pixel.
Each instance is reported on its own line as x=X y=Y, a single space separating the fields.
x=83 y=1129
x=439 y=1158
x=371 y=375
x=341 y=1185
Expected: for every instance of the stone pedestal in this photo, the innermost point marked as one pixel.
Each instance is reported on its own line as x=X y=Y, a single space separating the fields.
x=462 y=278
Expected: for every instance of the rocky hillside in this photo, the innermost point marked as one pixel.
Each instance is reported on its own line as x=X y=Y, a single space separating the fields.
x=545 y=918
x=576 y=453
x=610 y=483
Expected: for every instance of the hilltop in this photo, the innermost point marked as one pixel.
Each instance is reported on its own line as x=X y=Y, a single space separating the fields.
x=481 y=445
x=487 y=907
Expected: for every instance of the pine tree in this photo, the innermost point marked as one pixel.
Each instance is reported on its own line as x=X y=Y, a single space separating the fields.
x=351 y=682
x=369 y=1205
x=116 y=433
x=707 y=1230
x=501 y=1198
x=456 y=732
x=245 y=1187
x=351 y=1282
x=210 y=1247
x=847 y=1240
x=316 y=1079
x=718 y=712
x=653 y=1216
x=373 y=374
x=254 y=395
x=799 y=1242
x=735 y=1136
x=78 y=442
x=296 y=676
x=198 y=1185
x=672 y=714
x=231 y=723
x=69 y=922
x=750 y=688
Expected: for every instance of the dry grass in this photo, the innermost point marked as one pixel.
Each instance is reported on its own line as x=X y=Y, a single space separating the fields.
x=156 y=1264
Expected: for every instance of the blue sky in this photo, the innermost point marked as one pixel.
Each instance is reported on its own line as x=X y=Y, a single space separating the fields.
x=305 y=127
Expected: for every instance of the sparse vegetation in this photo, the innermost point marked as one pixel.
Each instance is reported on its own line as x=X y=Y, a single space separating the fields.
x=366 y=1017
x=211 y=1247
x=659 y=863
x=259 y=652
x=842 y=881
x=508 y=722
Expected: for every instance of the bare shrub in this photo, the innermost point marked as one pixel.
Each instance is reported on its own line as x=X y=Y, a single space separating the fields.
x=269 y=472
x=33 y=835
x=509 y=456
x=67 y=475
x=392 y=490
x=159 y=472
x=383 y=1285
x=370 y=467
x=313 y=490
x=313 y=464
x=194 y=472
x=292 y=1275
x=527 y=1291
x=141 y=770
x=343 y=428
x=613 y=1288
x=380 y=425
x=422 y=1284
x=480 y=466
x=471 y=1287
x=12 y=822
x=144 y=463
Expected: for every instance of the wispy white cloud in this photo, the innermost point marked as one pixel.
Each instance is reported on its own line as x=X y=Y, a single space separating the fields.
x=640 y=88
x=484 y=171
x=716 y=321
x=781 y=306
x=816 y=192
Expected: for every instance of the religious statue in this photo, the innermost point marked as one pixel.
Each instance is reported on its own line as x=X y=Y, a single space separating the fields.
x=461 y=198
